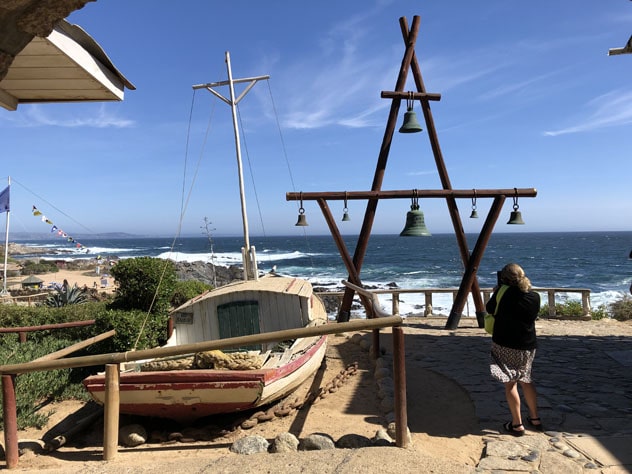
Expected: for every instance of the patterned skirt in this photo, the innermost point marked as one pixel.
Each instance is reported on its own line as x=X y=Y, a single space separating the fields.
x=511 y=365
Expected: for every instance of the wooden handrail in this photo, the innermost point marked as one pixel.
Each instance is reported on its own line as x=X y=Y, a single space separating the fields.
x=45 y=327
x=119 y=357
x=395 y=292
x=377 y=306
x=77 y=346
x=8 y=374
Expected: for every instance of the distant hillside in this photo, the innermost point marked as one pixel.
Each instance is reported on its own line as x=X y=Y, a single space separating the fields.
x=45 y=236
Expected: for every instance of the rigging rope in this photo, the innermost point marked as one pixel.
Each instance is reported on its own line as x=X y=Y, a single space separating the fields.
x=15 y=181
x=184 y=202
x=289 y=169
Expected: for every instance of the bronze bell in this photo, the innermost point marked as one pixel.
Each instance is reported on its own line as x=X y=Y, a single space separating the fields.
x=474 y=214
x=515 y=218
x=415 y=224
x=410 y=125
x=345 y=217
x=302 y=220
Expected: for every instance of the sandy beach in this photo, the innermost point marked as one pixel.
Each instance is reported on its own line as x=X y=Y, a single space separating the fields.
x=86 y=278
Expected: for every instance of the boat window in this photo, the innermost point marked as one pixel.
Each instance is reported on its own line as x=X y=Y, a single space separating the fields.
x=239 y=318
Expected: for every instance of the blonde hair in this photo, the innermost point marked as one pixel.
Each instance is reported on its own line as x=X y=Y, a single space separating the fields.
x=512 y=274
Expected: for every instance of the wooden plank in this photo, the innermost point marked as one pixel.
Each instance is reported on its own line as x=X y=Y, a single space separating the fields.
x=118 y=357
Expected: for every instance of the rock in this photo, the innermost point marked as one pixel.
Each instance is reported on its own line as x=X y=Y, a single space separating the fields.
x=571 y=453
x=207 y=273
x=197 y=434
x=284 y=443
x=316 y=442
x=531 y=457
x=250 y=445
x=382 y=438
x=157 y=436
x=392 y=432
x=132 y=435
x=554 y=462
x=353 y=441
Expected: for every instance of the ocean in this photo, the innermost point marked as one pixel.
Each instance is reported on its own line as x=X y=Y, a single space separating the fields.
x=599 y=261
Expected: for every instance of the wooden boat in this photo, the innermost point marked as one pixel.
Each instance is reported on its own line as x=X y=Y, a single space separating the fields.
x=274 y=370
x=216 y=382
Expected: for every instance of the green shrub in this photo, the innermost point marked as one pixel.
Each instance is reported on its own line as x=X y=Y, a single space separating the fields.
x=600 y=312
x=19 y=316
x=67 y=295
x=150 y=330
x=34 y=389
x=185 y=290
x=31 y=267
x=572 y=309
x=144 y=284
x=622 y=309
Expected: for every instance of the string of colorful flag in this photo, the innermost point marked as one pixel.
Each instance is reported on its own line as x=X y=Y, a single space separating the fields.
x=56 y=230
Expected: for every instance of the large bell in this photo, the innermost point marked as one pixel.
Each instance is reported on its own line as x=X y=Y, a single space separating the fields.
x=515 y=218
x=302 y=220
x=415 y=224
x=410 y=125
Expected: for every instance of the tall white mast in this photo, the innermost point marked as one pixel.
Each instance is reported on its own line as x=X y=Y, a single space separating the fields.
x=249 y=259
x=6 y=249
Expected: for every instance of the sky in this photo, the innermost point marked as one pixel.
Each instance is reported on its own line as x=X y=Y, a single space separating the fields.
x=529 y=99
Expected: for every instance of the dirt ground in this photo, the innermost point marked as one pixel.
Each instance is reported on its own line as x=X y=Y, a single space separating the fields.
x=444 y=430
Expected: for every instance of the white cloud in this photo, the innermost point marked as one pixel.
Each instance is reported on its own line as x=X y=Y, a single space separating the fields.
x=608 y=110
x=36 y=116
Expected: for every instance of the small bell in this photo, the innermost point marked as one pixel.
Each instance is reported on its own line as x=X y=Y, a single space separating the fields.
x=516 y=215
x=474 y=214
x=302 y=220
x=515 y=218
x=345 y=210
x=410 y=125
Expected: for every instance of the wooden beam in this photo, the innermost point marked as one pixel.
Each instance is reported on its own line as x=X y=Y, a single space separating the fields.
x=273 y=336
x=408 y=95
x=409 y=193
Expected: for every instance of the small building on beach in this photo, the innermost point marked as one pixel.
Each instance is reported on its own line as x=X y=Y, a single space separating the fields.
x=31 y=283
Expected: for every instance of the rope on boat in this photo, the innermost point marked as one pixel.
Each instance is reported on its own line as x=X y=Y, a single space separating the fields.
x=286 y=407
x=214 y=359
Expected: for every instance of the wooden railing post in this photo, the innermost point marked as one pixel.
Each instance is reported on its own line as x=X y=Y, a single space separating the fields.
x=9 y=412
x=551 y=294
x=586 y=303
x=111 y=411
x=395 y=303
x=428 y=302
x=399 y=380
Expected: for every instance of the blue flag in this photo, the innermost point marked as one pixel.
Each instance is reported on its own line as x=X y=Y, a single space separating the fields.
x=4 y=200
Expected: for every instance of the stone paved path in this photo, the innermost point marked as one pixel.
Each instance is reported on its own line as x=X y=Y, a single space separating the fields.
x=583 y=372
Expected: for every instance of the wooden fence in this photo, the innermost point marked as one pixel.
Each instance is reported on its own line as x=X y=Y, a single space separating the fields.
x=552 y=295
x=8 y=373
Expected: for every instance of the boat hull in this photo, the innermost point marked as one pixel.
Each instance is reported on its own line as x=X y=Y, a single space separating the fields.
x=186 y=395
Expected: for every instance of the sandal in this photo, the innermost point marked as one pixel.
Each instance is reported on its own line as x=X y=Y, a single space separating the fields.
x=535 y=423
x=511 y=429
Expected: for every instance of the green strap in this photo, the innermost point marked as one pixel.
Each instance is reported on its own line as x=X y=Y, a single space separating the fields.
x=499 y=295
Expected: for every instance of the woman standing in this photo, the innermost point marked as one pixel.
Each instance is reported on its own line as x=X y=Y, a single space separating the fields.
x=514 y=344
